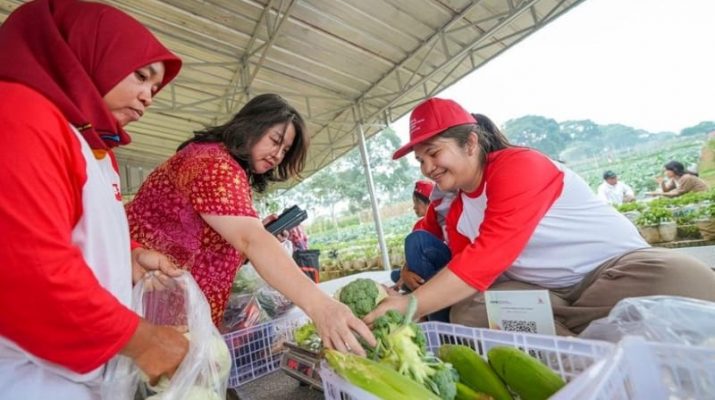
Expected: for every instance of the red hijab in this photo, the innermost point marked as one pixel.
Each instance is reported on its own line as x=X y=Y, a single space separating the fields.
x=74 y=52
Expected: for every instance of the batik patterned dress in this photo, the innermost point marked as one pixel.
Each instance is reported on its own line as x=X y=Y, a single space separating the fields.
x=166 y=213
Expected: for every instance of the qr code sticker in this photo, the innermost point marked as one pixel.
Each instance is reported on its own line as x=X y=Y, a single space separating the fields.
x=519 y=326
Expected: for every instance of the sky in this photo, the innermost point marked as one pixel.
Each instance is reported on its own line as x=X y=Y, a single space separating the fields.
x=649 y=64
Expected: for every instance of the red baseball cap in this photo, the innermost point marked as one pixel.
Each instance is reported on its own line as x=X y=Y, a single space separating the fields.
x=424 y=188
x=432 y=117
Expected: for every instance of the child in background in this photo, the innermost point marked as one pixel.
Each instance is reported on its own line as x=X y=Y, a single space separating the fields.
x=425 y=249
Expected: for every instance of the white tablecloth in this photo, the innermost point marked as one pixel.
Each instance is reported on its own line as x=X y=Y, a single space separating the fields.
x=331 y=286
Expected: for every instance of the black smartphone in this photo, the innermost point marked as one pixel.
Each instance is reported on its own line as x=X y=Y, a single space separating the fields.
x=290 y=218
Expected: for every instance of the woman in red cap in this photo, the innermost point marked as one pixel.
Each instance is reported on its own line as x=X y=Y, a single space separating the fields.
x=521 y=221
x=72 y=75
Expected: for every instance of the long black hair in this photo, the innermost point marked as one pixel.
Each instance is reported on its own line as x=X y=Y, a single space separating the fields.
x=248 y=126
x=678 y=168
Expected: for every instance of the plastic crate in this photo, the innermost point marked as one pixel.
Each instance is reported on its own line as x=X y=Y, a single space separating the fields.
x=569 y=357
x=647 y=370
x=257 y=351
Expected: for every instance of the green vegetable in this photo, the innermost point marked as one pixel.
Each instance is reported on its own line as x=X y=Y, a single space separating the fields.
x=401 y=344
x=388 y=323
x=306 y=336
x=376 y=378
x=362 y=296
x=474 y=371
x=464 y=392
x=525 y=375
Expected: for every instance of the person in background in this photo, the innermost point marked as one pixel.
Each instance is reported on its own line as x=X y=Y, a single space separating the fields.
x=679 y=181
x=520 y=221
x=421 y=200
x=72 y=76
x=298 y=238
x=613 y=191
x=425 y=251
x=197 y=207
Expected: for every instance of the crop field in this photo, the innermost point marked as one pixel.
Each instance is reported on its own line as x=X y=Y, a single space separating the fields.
x=639 y=168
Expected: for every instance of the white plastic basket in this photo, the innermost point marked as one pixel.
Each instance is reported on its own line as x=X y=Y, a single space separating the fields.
x=653 y=371
x=257 y=351
x=569 y=357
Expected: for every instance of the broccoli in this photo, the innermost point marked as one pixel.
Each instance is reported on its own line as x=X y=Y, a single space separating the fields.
x=362 y=296
x=443 y=382
x=401 y=344
x=386 y=324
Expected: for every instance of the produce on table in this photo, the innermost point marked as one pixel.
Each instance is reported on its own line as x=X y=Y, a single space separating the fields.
x=376 y=378
x=306 y=336
x=272 y=301
x=242 y=311
x=464 y=392
x=361 y=295
x=401 y=344
x=525 y=375
x=474 y=371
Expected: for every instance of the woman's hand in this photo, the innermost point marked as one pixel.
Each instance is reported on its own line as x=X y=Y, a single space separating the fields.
x=398 y=303
x=337 y=326
x=145 y=260
x=281 y=236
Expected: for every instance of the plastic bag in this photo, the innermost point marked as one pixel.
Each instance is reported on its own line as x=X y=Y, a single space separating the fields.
x=203 y=374
x=252 y=301
x=272 y=301
x=247 y=280
x=243 y=311
x=668 y=319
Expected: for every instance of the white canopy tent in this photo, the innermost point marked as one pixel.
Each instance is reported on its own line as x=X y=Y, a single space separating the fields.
x=350 y=67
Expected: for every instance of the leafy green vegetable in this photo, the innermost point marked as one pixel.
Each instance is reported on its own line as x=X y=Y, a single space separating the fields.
x=306 y=336
x=362 y=296
x=402 y=345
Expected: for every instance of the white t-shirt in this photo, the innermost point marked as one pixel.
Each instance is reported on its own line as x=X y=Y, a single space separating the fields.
x=535 y=221
x=614 y=194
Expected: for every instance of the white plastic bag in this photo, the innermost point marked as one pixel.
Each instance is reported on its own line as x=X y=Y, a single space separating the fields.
x=203 y=374
x=667 y=319
x=253 y=301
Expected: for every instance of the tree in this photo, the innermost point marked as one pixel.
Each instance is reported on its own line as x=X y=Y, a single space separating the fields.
x=345 y=179
x=392 y=179
x=580 y=131
x=538 y=132
x=699 y=129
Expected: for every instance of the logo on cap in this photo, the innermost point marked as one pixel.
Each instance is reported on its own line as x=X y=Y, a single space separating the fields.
x=432 y=117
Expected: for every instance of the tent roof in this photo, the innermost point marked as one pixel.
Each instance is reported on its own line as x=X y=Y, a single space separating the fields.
x=339 y=62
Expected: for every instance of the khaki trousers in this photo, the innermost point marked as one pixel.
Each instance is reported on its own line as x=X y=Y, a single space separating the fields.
x=645 y=272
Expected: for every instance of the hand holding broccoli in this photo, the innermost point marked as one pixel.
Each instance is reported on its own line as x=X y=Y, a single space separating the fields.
x=337 y=325
x=361 y=295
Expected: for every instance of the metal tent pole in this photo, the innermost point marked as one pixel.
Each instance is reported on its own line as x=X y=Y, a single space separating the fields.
x=373 y=199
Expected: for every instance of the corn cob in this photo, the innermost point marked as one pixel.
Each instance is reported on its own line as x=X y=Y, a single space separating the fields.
x=376 y=378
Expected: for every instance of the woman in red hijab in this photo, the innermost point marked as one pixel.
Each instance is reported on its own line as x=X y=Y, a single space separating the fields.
x=72 y=75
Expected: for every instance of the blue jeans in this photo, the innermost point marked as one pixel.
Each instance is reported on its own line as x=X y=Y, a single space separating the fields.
x=425 y=255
